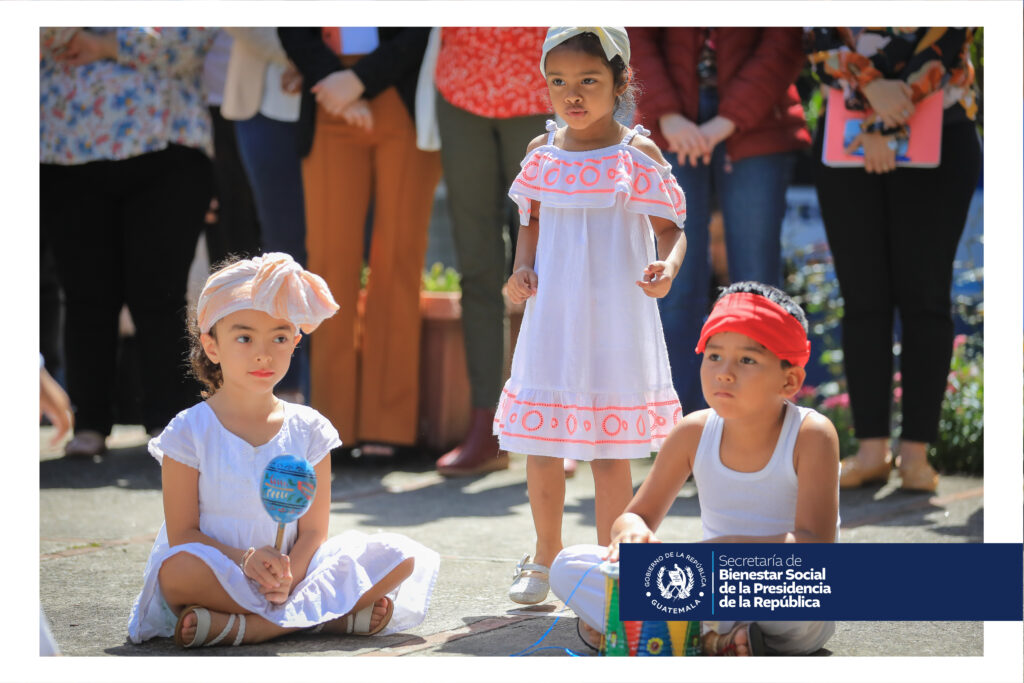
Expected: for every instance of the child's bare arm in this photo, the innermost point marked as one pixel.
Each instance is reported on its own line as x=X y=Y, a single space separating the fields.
x=657 y=278
x=652 y=501
x=816 y=460
x=181 y=515
x=522 y=284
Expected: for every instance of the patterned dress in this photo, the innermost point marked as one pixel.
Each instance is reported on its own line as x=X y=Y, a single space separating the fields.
x=590 y=375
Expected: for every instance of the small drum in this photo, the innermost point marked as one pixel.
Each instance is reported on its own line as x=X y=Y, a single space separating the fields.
x=642 y=638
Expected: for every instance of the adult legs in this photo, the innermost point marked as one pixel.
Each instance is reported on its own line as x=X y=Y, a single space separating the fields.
x=752 y=193
x=683 y=309
x=925 y=234
x=338 y=178
x=477 y=156
x=270 y=154
x=269 y=151
x=162 y=218
x=237 y=230
x=51 y=310
x=404 y=194
x=857 y=224
x=79 y=215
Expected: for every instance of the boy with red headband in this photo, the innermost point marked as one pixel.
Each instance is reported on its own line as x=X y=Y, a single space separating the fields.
x=766 y=469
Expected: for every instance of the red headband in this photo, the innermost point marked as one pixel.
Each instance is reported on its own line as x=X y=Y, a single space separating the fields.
x=762 y=320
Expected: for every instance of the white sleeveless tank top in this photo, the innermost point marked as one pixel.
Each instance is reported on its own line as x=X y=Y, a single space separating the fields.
x=761 y=503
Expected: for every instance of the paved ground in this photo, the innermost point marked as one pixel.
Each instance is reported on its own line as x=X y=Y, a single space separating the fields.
x=98 y=518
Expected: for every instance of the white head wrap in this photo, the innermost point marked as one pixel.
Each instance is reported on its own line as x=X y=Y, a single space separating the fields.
x=273 y=283
x=613 y=39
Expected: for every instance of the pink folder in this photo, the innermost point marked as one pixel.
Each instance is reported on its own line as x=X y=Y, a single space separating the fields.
x=923 y=148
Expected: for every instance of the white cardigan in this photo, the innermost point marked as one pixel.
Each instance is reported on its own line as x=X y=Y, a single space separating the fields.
x=254 y=51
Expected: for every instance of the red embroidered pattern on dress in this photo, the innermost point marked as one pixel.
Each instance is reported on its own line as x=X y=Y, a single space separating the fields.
x=543 y=172
x=610 y=428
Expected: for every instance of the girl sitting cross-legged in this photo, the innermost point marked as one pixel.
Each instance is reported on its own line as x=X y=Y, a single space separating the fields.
x=214 y=575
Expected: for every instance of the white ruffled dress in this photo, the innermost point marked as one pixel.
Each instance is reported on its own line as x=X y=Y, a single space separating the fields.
x=230 y=510
x=590 y=375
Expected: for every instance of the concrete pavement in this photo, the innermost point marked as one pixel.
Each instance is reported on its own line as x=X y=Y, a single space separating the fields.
x=98 y=519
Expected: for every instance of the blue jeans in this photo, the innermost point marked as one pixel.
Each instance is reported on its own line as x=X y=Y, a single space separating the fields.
x=752 y=195
x=270 y=154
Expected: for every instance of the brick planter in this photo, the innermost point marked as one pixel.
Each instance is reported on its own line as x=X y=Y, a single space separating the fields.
x=444 y=382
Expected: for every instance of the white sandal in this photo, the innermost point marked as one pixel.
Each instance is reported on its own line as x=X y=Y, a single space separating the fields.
x=358 y=624
x=203 y=628
x=529 y=589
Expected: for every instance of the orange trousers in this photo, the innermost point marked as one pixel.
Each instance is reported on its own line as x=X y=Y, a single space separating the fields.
x=366 y=379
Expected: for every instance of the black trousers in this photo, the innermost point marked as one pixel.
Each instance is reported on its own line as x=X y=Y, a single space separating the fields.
x=125 y=232
x=237 y=230
x=893 y=238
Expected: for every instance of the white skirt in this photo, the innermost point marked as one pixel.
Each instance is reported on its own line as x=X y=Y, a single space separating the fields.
x=344 y=567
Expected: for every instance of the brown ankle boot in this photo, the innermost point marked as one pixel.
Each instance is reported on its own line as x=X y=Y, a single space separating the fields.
x=478 y=452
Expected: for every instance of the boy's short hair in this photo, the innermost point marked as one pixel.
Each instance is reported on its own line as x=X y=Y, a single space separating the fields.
x=773 y=294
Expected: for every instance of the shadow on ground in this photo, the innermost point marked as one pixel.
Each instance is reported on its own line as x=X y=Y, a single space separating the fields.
x=132 y=468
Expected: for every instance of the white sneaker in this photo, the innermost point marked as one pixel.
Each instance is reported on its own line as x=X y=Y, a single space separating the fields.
x=529 y=582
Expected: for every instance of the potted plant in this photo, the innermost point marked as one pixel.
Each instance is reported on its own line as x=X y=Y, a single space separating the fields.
x=444 y=382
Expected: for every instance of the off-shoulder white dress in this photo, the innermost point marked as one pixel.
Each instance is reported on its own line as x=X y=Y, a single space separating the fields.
x=590 y=375
x=230 y=510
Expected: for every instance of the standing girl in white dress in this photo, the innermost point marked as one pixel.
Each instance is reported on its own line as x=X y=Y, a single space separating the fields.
x=590 y=376
x=214 y=575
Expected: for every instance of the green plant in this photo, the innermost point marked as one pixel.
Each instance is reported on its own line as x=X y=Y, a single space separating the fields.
x=814 y=107
x=835 y=405
x=961 y=444
x=440 y=279
x=437 y=278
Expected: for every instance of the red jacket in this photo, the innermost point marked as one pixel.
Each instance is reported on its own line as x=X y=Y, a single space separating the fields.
x=756 y=71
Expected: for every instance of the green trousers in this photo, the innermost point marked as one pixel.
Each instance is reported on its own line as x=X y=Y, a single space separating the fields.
x=480 y=157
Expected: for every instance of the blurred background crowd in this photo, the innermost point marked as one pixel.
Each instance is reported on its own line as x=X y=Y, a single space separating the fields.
x=372 y=154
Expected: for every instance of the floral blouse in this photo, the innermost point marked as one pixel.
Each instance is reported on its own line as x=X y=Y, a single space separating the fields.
x=928 y=59
x=493 y=71
x=150 y=97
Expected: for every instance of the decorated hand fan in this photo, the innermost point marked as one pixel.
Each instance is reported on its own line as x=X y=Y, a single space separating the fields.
x=289 y=484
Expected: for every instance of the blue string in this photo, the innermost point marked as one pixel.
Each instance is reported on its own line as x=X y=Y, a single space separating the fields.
x=533 y=648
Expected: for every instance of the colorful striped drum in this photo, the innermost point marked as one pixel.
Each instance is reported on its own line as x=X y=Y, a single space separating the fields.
x=642 y=638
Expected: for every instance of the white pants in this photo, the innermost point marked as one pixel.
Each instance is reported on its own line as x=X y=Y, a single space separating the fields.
x=588 y=602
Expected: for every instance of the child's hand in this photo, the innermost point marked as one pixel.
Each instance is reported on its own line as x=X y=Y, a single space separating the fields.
x=522 y=284
x=657 y=279
x=280 y=594
x=268 y=568
x=637 y=533
x=55 y=404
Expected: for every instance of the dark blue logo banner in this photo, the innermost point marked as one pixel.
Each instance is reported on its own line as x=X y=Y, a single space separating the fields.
x=821 y=581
